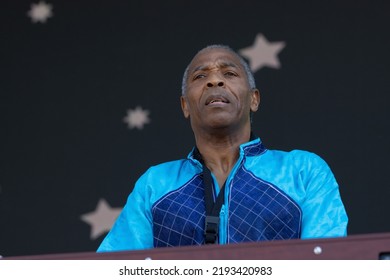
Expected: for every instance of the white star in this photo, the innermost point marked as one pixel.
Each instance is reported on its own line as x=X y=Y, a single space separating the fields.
x=263 y=53
x=137 y=118
x=40 y=12
x=102 y=219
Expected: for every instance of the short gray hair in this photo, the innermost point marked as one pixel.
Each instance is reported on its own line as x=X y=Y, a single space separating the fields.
x=244 y=64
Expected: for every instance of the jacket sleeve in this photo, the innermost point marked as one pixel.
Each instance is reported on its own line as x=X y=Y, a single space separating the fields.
x=324 y=214
x=133 y=228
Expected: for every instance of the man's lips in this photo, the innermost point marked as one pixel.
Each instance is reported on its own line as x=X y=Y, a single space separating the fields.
x=216 y=99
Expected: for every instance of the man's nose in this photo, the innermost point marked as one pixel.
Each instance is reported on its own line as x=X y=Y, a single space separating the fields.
x=215 y=81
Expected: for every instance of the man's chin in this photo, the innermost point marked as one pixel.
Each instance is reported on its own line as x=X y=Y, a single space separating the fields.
x=220 y=124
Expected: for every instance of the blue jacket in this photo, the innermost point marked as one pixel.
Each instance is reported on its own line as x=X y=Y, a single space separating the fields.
x=269 y=195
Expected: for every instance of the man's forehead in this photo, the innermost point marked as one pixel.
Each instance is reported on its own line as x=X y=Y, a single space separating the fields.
x=218 y=57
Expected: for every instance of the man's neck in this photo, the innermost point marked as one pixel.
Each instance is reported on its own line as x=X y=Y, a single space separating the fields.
x=220 y=152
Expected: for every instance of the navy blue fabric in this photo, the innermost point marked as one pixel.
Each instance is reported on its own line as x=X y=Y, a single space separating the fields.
x=260 y=211
x=254 y=149
x=179 y=216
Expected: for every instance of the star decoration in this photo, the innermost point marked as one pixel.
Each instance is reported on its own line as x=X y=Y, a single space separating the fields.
x=263 y=53
x=40 y=12
x=102 y=219
x=137 y=118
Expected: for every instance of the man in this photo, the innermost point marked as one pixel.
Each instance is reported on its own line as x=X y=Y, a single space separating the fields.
x=259 y=194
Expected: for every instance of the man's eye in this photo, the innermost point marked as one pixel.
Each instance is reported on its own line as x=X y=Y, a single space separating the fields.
x=230 y=73
x=199 y=76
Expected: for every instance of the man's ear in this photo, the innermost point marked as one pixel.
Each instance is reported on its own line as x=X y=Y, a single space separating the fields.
x=255 y=102
x=184 y=106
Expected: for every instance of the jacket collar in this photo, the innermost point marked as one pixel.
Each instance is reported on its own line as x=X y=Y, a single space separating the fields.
x=253 y=147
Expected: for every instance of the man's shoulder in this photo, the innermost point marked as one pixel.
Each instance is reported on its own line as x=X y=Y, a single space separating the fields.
x=303 y=154
x=172 y=168
x=167 y=176
x=168 y=164
x=295 y=156
x=292 y=153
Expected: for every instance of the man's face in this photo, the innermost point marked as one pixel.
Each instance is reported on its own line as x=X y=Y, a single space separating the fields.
x=218 y=94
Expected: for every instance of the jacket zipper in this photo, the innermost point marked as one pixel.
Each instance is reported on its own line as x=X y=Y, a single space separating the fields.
x=222 y=225
x=224 y=213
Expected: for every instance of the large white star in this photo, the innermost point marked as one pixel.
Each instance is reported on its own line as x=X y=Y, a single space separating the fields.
x=137 y=118
x=102 y=219
x=40 y=12
x=263 y=53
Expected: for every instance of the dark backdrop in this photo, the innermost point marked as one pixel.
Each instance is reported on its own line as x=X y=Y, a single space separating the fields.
x=67 y=84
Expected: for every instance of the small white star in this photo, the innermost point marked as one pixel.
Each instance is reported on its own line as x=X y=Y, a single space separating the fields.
x=263 y=53
x=102 y=219
x=137 y=118
x=40 y=12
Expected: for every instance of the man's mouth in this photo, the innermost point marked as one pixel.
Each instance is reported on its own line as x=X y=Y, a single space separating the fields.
x=216 y=100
